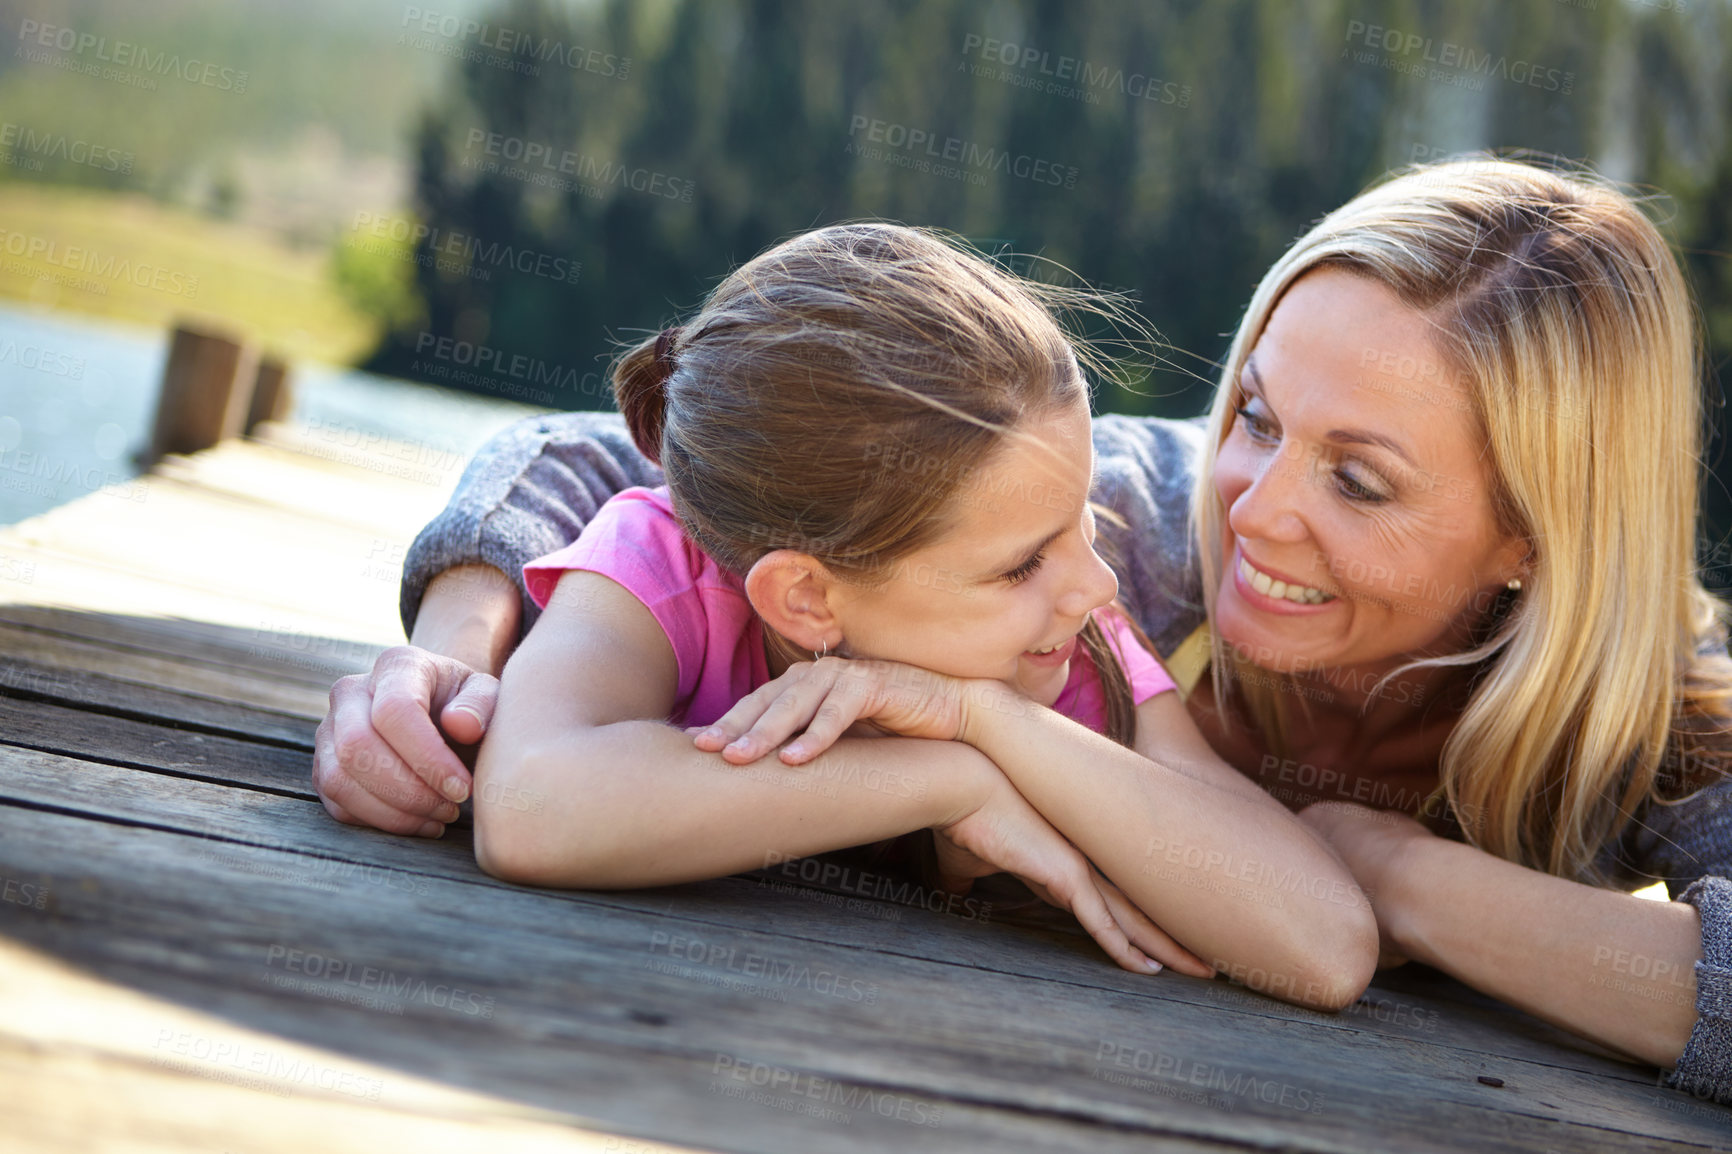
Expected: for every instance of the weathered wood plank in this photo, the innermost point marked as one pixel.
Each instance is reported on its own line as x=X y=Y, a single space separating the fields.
x=326 y=853
x=1402 y=1004
x=99 y=693
x=28 y=654
x=275 y=478
x=108 y=584
x=87 y=1065
x=590 y=1014
x=283 y=655
x=120 y=741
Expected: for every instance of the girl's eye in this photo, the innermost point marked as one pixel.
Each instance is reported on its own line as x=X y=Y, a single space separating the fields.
x=1026 y=570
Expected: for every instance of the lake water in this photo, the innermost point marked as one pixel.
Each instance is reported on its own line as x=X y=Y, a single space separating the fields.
x=77 y=399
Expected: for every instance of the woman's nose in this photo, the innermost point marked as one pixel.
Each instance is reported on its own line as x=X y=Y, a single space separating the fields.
x=1269 y=507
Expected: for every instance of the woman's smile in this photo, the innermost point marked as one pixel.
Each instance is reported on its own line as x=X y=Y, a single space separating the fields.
x=1272 y=592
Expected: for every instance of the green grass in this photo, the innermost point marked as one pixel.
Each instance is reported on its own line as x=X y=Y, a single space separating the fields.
x=125 y=257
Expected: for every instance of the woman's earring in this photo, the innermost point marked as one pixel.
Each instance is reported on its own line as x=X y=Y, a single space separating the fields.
x=1515 y=583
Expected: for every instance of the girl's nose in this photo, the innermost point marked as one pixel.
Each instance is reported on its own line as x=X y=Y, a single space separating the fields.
x=1094 y=585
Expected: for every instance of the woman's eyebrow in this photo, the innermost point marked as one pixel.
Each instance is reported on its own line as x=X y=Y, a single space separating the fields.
x=1256 y=377
x=1367 y=437
x=1342 y=436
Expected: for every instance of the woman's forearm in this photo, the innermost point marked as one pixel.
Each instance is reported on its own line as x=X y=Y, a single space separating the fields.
x=633 y=804
x=469 y=612
x=1608 y=966
x=1229 y=873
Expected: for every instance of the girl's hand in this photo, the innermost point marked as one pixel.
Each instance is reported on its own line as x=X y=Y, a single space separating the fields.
x=1368 y=842
x=1007 y=835
x=828 y=696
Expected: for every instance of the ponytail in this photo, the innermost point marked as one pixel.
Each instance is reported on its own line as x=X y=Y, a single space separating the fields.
x=640 y=390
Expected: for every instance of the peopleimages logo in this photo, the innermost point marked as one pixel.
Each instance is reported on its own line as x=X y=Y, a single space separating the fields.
x=123 y=54
x=1456 y=63
x=92 y=263
x=539 y=163
x=25 y=148
x=463 y=252
x=949 y=156
x=511 y=43
x=1068 y=76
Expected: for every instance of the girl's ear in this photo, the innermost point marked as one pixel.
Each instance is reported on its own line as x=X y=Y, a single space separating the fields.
x=791 y=592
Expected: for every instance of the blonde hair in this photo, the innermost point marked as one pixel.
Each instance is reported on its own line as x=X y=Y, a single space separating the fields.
x=1562 y=312
x=840 y=392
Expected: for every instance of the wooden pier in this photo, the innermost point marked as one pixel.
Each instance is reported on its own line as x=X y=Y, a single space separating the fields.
x=193 y=956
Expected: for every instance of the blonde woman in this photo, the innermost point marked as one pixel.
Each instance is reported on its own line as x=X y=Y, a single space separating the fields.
x=1430 y=557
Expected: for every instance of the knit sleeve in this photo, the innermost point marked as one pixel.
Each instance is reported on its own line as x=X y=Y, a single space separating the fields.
x=528 y=491
x=1145 y=469
x=1705 y=1067
x=1688 y=845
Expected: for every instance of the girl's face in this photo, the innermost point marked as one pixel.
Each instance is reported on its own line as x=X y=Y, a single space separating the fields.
x=1359 y=527
x=1004 y=594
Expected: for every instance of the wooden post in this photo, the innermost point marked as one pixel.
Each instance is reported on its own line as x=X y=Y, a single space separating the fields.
x=271 y=397
x=207 y=392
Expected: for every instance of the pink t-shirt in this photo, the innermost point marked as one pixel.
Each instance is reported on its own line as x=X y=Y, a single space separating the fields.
x=718 y=641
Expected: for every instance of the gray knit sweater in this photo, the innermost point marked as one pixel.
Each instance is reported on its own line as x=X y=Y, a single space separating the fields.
x=533 y=487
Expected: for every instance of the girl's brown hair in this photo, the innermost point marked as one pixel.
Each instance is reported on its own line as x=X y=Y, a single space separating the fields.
x=839 y=393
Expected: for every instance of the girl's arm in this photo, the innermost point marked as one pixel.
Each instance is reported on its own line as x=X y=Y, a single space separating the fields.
x=1214 y=860
x=1606 y=965
x=580 y=782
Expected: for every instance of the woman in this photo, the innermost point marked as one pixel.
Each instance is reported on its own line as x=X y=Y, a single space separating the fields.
x=1439 y=560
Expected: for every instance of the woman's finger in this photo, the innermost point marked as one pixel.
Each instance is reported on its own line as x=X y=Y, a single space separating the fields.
x=401 y=713
x=356 y=760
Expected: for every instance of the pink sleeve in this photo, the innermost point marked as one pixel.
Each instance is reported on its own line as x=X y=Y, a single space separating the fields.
x=1148 y=677
x=635 y=540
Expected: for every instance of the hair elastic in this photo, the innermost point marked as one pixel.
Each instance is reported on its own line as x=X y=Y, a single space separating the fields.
x=664 y=349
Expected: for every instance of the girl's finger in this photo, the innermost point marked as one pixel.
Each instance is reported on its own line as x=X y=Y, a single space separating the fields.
x=833 y=718
x=1147 y=936
x=786 y=716
x=744 y=714
x=1091 y=910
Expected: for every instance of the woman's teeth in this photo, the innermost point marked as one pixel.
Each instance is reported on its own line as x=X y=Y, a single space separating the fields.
x=1269 y=587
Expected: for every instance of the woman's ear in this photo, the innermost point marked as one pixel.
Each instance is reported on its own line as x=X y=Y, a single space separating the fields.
x=791 y=592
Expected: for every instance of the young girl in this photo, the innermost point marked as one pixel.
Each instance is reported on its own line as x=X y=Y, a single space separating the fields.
x=877 y=447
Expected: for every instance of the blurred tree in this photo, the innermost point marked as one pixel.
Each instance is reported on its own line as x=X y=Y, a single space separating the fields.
x=1169 y=148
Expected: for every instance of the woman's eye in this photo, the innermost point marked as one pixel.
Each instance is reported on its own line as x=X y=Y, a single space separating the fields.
x=1356 y=489
x=1255 y=425
x=1026 y=570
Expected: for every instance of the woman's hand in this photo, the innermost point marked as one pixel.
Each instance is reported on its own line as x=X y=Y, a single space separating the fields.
x=828 y=696
x=1007 y=835
x=390 y=751
x=1368 y=841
